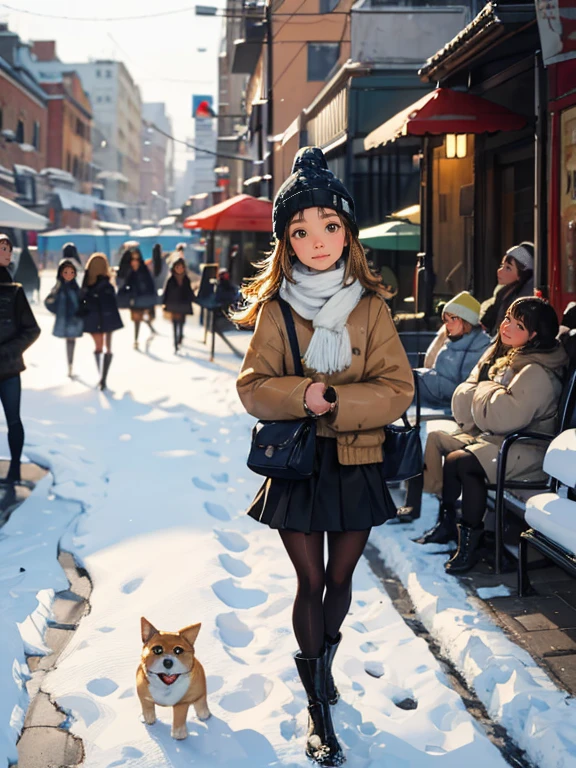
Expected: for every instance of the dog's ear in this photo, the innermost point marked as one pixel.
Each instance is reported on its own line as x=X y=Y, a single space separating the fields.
x=148 y=630
x=190 y=633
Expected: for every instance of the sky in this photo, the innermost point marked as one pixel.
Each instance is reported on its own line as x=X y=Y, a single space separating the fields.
x=161 y=52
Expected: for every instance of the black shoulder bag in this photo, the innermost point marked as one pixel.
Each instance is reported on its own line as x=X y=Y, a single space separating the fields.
x=402 y=447
x=285 y=449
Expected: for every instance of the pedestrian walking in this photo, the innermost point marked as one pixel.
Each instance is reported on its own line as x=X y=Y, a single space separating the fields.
x=18 y=330
x=69 y=251
x=64 y=301
x=177 y=300
x=137 y=291
x=99 y=309
x=355 y=379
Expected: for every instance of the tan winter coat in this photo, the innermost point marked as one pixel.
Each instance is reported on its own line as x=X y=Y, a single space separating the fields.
x=373 y=392
x=527 y=398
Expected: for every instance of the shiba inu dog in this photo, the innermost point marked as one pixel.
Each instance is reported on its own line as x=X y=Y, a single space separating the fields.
x=171 y=676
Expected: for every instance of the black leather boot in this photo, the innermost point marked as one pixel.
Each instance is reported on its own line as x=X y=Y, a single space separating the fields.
x=98 y=358
x=105 y=369
x=332 y=692
x=445 y=529
x=321 y=743
x=466 y=554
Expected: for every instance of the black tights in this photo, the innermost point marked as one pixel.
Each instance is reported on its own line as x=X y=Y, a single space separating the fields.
x=10 y=394
x=463 y=474
x=178 y=326
x=324 y=591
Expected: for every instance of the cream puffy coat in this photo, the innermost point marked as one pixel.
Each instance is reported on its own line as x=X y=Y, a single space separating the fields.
x=526 y=396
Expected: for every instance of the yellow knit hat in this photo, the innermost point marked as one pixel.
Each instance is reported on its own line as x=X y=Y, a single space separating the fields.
x=464 y=305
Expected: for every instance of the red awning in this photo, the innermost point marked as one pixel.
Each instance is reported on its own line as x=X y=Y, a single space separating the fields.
x=446 y=111
x=242 y=213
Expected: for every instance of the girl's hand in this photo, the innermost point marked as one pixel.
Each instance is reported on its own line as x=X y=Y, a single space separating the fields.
x=314 y=398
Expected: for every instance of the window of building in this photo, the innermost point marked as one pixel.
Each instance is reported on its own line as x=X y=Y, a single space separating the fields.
x=36 y=135
x=327 y=6
x=68 y=162
x=20 y=131
x=98 y=73
x=108 y=99
x=108 y=73
x=322 y=58
x=75 y=167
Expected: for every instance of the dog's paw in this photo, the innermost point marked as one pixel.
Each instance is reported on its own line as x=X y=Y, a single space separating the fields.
x=149 y=719
x=204 y=714
x=179 y=733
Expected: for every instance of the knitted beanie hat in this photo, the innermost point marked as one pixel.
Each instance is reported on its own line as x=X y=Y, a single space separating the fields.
x=523 y=253
x=465 y=306
x=311 y=185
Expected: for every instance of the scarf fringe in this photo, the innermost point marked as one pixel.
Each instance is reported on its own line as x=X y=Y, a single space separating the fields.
x=329 y=351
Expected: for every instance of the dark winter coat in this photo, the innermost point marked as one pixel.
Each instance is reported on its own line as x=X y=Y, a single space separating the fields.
x=18 y=327
x=494 y=309
x=178 y=296
x=454 y=363
x=99 y=308
x=63 y=301
x=138 y=290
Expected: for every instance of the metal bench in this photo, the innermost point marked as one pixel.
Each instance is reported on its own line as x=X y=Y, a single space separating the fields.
x=552 y=515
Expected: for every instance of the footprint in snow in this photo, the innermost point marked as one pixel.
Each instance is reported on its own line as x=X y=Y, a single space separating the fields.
x=216 y=510
x=106 y=629
x=233 y=631
x=131 y=586
x=102 y=686
x=233 y=541
x=210 y=452
x=368 y=647
x=252 y=691
x=374 y=668
x=234 y=566
x=202 y=485
x=404 y=700
x=358 y=626
x=237 y=597
x=128 y=753
x=221 y=478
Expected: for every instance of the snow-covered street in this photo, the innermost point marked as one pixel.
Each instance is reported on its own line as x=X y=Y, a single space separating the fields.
x=149 y=489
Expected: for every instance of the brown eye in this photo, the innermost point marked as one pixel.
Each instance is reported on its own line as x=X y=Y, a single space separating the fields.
x=157 y=650
x=178 y=650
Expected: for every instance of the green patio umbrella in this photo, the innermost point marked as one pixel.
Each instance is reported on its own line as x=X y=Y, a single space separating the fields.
x=392 y=236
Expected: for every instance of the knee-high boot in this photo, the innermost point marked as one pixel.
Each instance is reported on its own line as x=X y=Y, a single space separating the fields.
x=332 y=692
x=98 y=358
x=321 y=743
x=105 y=369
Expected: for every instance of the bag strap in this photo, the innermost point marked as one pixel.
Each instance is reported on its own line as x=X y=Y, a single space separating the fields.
x=292 y=337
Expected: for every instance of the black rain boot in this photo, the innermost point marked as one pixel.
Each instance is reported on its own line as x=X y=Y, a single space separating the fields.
x=105 y=369
x=136 y=333
x=332 y=692
x=445 y=529
x=321 y=743
x=176 y=336
x=98 y=358
x=70 y=346
x=181 y=333
x=466 y=554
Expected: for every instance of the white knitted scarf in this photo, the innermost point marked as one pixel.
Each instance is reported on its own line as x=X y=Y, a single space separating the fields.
x=322 y=298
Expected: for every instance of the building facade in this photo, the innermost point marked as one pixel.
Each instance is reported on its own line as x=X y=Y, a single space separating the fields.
x=156 y=162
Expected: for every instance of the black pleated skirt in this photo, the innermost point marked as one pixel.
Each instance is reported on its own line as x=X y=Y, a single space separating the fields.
x=337 y=497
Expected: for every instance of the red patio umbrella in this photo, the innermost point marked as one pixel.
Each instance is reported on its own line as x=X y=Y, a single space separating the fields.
x=242 y=213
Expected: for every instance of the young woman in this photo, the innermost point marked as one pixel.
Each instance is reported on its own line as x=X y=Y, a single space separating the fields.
x=515 y=279
x=137 y=291
x=18 y=330
x=449 y=361
x=516 y=385
x=64 y=301
x=99 y=309
x=357 y=379
x=177 y=300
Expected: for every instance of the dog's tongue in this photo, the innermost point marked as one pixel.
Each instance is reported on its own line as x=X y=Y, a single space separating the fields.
x=168 y=679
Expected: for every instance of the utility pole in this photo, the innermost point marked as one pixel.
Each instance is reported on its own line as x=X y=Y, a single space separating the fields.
x=270 y=96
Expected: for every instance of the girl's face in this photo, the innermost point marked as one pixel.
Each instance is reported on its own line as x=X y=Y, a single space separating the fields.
x=68 y=274
x=454 y=325
x=135 y=263
x=317 y=237
x=514 y=333
x=507 y=273
x=5 y=254
x=179 y=269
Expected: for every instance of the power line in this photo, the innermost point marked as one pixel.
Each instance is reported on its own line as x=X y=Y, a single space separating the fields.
x=98 y=18
x=244 y=158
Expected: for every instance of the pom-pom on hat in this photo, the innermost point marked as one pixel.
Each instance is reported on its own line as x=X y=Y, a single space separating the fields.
x=311 y=185
x=465 y=306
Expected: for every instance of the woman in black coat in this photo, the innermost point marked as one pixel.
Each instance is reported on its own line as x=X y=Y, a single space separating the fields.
x=137 y=291
x=18 y=330
x=177 y=300
x=99 y=308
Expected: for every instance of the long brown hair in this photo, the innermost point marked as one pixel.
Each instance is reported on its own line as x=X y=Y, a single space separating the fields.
x=96 y=266
x=278 y=265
